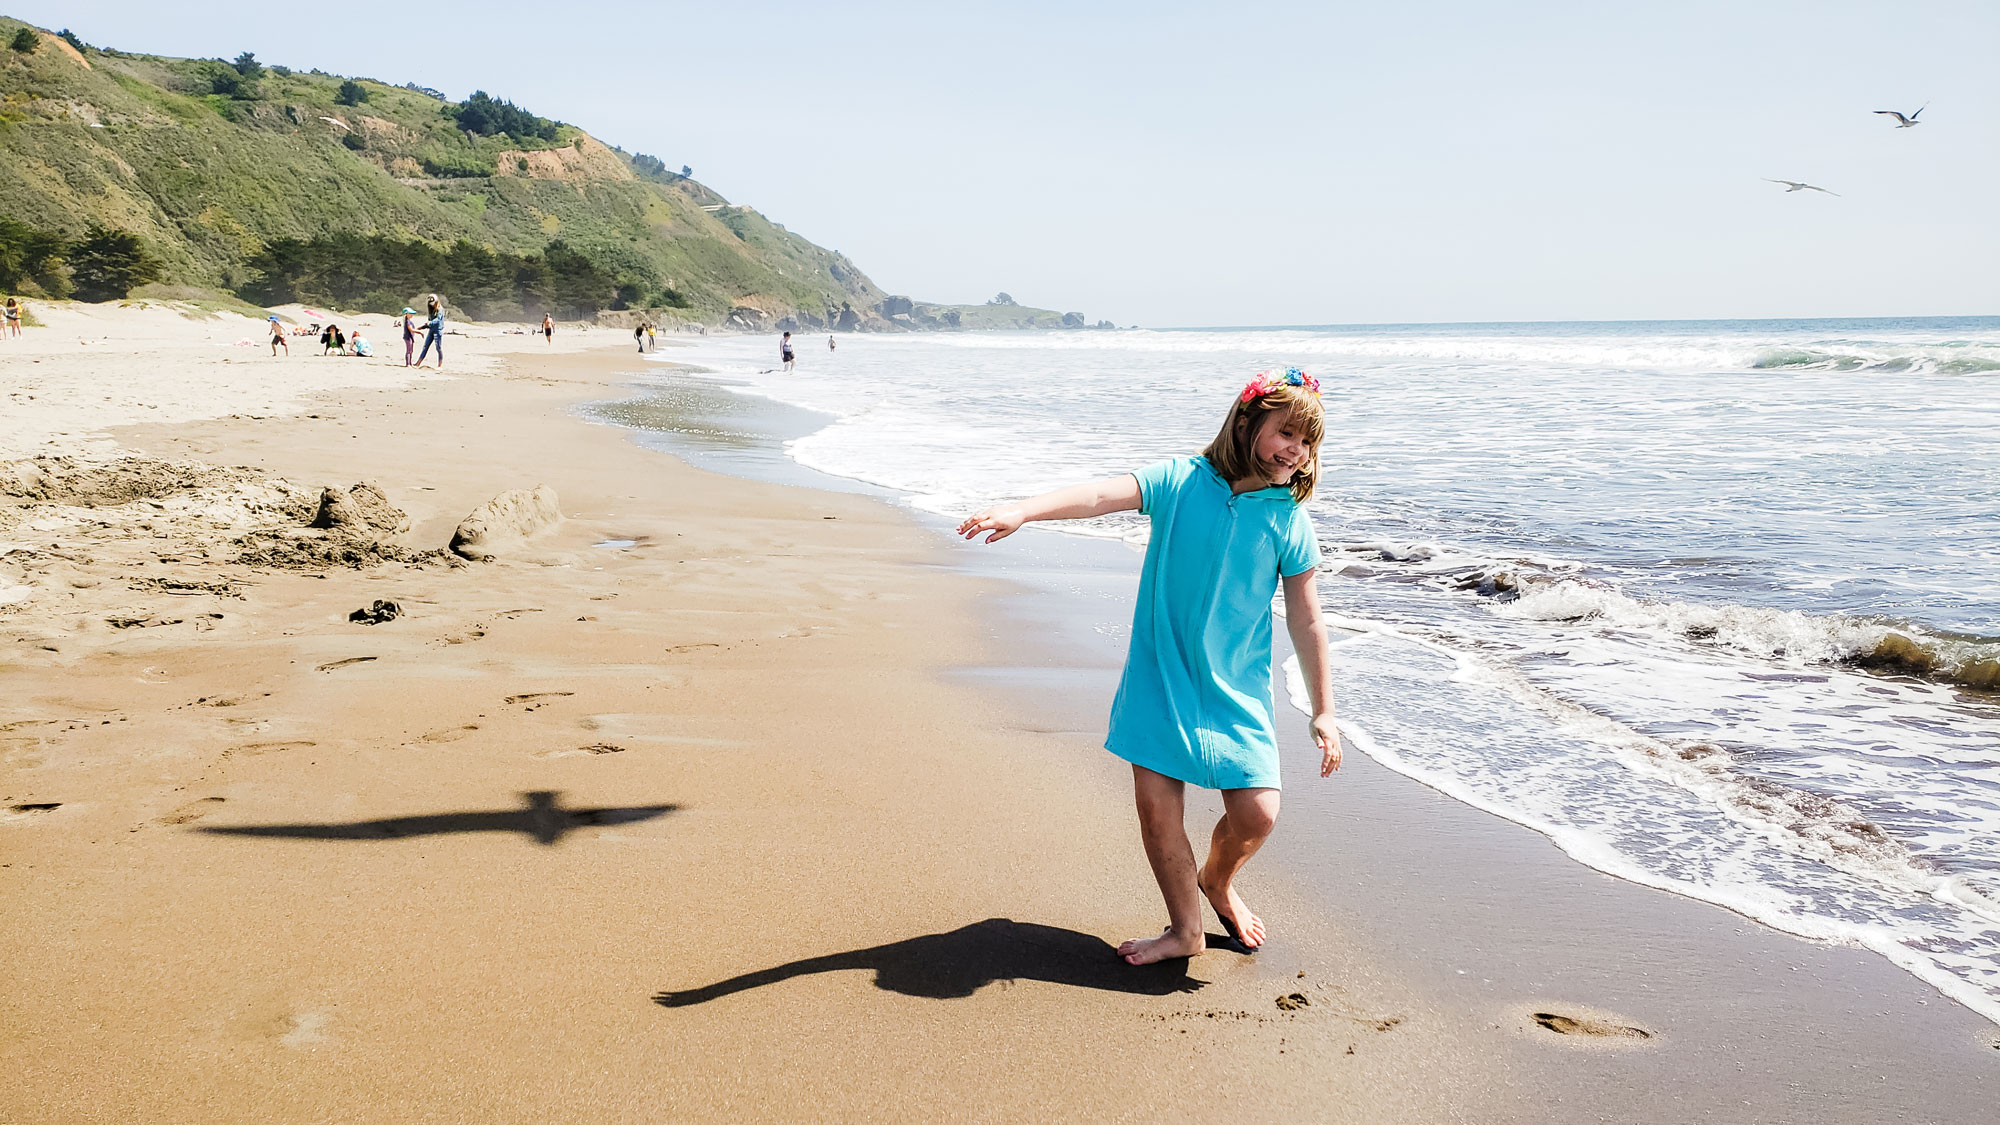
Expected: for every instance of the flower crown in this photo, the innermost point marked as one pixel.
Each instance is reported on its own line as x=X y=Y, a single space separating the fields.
x=1264 y=382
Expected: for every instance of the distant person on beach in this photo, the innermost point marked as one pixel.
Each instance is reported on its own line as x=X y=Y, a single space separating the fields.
x=410 y=336
x=548 y=328
x=358 y=344
x=829 y=343
x=639 y=336
x=652 y=343
x=333 y=341
x=13 y=326
x=785 y=352
x=1194 y=704
x=278 y=337
x=433 y=330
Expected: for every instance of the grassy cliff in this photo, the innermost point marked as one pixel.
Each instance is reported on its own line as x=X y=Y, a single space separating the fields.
x=211 y=162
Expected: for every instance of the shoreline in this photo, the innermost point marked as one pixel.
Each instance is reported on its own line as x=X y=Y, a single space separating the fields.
x=692 y=827
x=1795 y=1021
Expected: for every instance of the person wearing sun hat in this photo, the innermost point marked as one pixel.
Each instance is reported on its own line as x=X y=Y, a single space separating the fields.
x=278 y=336
x=409 y=336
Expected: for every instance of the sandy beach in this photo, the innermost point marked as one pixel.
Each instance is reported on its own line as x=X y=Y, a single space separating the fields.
x=690 y=806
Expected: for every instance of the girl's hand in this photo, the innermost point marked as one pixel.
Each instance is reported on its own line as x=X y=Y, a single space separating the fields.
x=1327 y=738
x=1002 y=522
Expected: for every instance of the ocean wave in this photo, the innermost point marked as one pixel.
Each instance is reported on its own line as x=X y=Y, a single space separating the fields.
x=1941 y=360
x=1733 y=352
x=1876 y=644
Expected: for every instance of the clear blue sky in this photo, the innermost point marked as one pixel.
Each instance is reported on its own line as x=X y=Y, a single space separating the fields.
x=1252 y=163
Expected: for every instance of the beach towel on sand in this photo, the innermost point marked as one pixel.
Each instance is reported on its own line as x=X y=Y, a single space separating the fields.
x=1195 y=700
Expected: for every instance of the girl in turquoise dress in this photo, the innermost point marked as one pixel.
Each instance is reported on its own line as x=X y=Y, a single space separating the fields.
x=1194 y=704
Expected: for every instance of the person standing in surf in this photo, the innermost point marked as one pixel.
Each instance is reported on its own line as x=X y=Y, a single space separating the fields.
x=1194 y=704
x=785 y=352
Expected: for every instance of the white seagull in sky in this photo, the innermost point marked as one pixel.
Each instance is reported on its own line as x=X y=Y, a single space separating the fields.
x=1794 y=185
x=1903 y=122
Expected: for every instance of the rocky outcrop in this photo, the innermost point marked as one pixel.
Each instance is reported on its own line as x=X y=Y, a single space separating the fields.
x=508 y=520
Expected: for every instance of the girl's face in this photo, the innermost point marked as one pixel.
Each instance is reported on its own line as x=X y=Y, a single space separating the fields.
x=1279 y=448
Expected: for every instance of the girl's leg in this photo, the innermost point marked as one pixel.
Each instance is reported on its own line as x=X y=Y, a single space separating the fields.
x=1162 y=805
x=1248 y=816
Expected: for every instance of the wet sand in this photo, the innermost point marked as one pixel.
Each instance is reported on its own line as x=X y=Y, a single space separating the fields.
x=1489 y=921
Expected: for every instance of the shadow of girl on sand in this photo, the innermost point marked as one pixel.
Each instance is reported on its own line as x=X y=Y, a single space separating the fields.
x=959 y=963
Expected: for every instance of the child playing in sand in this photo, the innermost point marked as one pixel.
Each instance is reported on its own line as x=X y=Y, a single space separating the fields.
x=1194 y=704
x=278 y=336
x=13 y=325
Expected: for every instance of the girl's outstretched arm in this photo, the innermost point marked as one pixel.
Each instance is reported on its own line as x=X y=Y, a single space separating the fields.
x=1308 y=632
x=1078 y=501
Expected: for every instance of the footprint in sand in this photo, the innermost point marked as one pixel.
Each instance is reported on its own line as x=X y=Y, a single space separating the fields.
x=252 y=749
x=448 y=734
x=1586 y=1027
x=191 y=812
x=536 y=700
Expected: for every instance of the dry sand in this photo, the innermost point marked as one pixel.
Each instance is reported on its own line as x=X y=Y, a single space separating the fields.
x=688 y=828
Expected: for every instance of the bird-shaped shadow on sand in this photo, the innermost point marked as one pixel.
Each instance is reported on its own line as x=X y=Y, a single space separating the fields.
x=953 y=965
x=542 y=819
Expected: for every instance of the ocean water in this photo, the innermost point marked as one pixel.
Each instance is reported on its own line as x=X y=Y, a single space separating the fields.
x=1713 y=605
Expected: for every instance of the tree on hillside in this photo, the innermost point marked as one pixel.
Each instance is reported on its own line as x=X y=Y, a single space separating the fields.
x=487 y=115
x=25 y=41
x=1001 y=299
x=351 y=93
x=107 y=264
x=226 y=82
x=27 y=254
x=687 y=173
x=70 y=38
x=247 y=65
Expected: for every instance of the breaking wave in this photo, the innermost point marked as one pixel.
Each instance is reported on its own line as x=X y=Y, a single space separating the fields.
x=1882 y=645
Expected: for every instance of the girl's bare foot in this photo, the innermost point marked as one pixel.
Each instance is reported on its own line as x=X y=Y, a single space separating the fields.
x=1145 y=951
x=1244 y=926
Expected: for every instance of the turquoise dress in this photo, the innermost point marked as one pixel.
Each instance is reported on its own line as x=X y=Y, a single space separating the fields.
x=1195 y=700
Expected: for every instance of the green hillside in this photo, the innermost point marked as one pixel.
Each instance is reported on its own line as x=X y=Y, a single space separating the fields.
x=212 y=163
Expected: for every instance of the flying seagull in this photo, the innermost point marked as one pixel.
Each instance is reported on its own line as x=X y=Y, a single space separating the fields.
x=1903 y=122
x=1794 y=185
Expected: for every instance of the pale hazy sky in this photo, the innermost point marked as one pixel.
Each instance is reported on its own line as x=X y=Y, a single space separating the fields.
x=1251 y=163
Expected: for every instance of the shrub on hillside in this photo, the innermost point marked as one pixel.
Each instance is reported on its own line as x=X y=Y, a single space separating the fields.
x=246 y=64
x=351 y=93
x=25 y=41
x=453 y=162
x=69 y=37
x=107 y=264
x=487 y=116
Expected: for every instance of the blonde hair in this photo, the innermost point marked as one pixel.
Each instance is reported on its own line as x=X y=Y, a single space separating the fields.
x=1233 y=450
